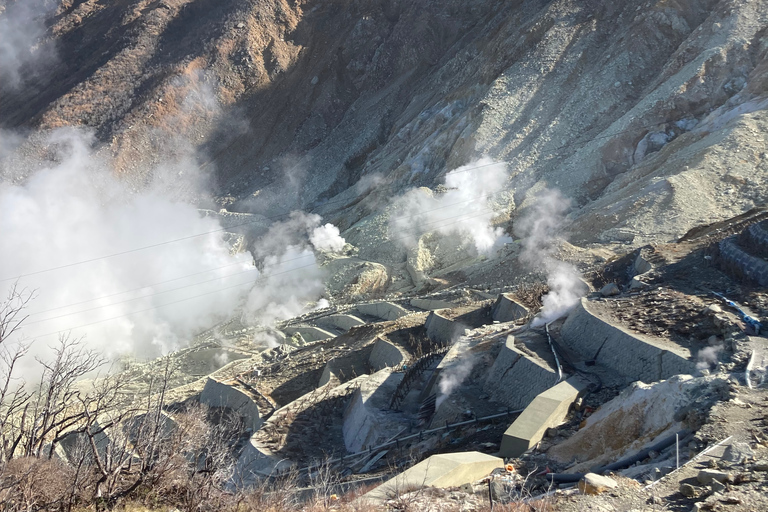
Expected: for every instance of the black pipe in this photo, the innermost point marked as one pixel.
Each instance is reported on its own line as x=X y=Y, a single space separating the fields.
x=642 y=454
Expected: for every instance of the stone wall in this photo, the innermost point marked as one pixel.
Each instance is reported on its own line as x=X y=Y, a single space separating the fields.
x=631 y=355
x=309 y=333
x=442 y=330
x=219 y=394
x=343 y=322
x=385 y=355
x=383 y=310
x=742 y=262
x=507 y=310
x=516 y=378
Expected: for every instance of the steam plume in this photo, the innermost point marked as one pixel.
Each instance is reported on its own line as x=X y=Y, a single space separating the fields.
x=22 y=25
x=540 y=229
x=466 y=208
x=140 y=302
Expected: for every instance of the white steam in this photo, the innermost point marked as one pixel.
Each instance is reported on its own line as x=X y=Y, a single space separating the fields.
x=292 y=281
x=466 y=208
x=540 y=228
x=707 y=357
x=453 y=376
x=22 y=26
x=143 y=302
x=327 y=238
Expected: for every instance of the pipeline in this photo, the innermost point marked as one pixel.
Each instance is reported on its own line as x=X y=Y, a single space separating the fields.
x=419 y=435
x=554 y=352
x=620 y=464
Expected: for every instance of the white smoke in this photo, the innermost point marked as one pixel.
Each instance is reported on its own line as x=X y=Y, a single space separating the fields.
x=466 y=208
x=292 y=282
x=453 y=376
x=707 y=357
x=22 y=26
x=143 y=302
x=327 y=238
x=540 y=228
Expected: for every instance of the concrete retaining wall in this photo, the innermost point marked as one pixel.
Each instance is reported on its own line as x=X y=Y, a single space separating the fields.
x=343 y=322
x=76 y=446
x=442 y=330
x=309 y=333
x=758 y=234
x=752 y=267
x=631 y=355
x=367 y=418
x=219 y=394
x=431 y=304
x=516 y=378
x=548 y=409
x=443 y=470
x=255 y=463
x=507 y=310
x=385 y=355
x=383 y=310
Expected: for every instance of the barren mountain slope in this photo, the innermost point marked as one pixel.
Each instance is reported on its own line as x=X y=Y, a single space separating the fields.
x=649 y=115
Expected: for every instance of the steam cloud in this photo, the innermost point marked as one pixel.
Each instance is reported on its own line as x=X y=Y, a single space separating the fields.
x=150 y=301
x=453 y=376
x=539 y=229
x=707 y=357
x=466 y=207
x=22 y=26
x=292 y=279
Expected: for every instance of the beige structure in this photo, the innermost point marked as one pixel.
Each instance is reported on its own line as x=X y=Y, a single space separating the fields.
x=443 y=470
x=548 y=409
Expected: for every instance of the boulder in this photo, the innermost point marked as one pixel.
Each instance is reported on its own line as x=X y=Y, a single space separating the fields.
x=707 y=476
x=610 y=290
x=596 y=484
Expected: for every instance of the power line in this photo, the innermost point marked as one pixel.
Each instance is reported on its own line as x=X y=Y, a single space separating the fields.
x=484 y=210
x=275 y=217
x=261 y=277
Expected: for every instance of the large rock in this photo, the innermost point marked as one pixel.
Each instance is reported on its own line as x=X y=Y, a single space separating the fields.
x=596 y=484
x=640 y=414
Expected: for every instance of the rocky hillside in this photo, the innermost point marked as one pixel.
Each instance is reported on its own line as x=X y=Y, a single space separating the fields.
x=633 y=109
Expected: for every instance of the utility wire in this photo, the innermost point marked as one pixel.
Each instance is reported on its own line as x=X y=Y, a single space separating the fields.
x=276 y=217
x=262 y=277
x=482 y=211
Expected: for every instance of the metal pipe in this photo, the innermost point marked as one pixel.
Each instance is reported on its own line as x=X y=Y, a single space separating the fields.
x=554 y=352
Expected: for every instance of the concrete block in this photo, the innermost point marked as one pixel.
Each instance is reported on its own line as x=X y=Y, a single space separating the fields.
x=343 y=322
x=309 y=333
x=443 y=470
x=220 y=394
x=507 y=310
x=143 y=423
x=442 y=330
x=548 y=409
x=383 y=310
x=385 y=355
x=431 y=304
x=630 y=355
x=367 y=418
x=76 y=446
x=255 y=463
x=516 y=378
